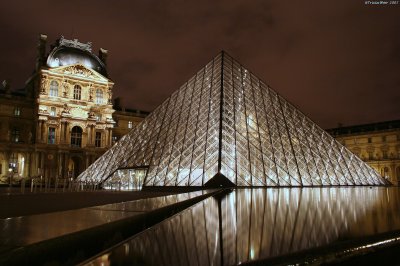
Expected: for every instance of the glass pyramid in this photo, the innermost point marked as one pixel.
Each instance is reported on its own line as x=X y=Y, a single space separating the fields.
x=227 y=127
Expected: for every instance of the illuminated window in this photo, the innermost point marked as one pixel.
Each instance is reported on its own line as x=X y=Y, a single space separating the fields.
x=99 y=96
x=76 y=136
x=15 y=135
x=54 y=88
x=77 y=92
x=51 y=138
x=17 y=111
x=386 y=172
x=97 y=141
x=98 y=117
x=14 y=162
x=53 y=111
x=130 y=124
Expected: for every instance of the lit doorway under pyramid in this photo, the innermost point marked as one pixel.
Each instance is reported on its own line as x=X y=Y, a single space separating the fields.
x=225 y=127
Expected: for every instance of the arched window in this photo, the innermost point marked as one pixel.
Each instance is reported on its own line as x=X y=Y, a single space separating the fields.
x=99 y=96
x=54 y=88
x=76 y=136
x=77 y=92
x=386 y=172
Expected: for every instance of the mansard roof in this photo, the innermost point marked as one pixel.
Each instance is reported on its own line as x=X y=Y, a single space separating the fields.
x=69 y=52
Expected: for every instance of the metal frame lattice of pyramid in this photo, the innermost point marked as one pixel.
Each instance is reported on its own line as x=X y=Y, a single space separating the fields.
x=226 y=124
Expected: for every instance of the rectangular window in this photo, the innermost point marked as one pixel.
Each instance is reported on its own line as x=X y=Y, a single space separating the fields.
x=53 y=111
x=384 y=154
x=383 y=138
x=130 y=124
x=77 y=92
x=52 y=136
x=98 y=117
x=54 y=88
x=369 y=140
x=97 y=140
x=17 y=111
x=99 y=96
x=15 y=135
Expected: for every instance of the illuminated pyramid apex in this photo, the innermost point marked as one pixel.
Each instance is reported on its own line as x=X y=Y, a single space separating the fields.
x=226 y=127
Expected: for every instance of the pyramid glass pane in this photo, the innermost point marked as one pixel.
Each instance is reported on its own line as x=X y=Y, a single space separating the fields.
x=227 y=123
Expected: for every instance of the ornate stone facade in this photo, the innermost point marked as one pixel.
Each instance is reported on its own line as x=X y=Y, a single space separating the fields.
x=62 y=121
x=377 y=144
x=125 y=119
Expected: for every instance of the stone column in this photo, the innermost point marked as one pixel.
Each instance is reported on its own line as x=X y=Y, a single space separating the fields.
x=110 y=137
x=66 y=133
x=34 y=161
x=7 y=156
x=93 y=134
x=89 y=136
x=28 y=163
x=106 y=138
x=39 y=131
x=39 y=163
x=61 y=132
x=43 y=138
x=42 y=162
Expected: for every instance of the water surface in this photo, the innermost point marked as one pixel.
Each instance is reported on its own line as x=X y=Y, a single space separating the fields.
x=252 y=224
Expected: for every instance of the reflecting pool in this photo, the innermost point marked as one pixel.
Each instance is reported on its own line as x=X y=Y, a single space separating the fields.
x=252 y=224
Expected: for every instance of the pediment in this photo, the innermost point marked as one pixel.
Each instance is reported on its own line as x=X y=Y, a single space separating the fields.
x=79 y=71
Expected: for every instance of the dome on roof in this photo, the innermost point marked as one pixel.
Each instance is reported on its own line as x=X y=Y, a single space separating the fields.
x=65 y=55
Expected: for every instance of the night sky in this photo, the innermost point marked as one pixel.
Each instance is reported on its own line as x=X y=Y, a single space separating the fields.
x=337 y=61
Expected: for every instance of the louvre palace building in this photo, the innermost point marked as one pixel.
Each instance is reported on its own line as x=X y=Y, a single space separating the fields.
x=64 y=117
x=377 y=144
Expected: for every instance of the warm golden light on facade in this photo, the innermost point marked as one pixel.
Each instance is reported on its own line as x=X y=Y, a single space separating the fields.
x=63 y=120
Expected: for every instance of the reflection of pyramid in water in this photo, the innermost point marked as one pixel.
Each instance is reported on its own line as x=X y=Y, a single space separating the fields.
x=227 y=126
